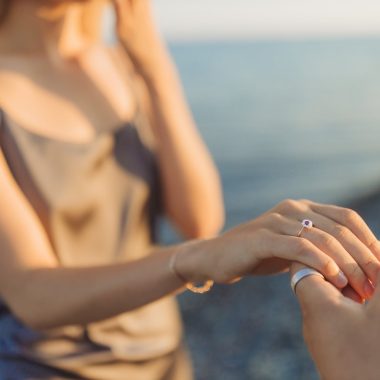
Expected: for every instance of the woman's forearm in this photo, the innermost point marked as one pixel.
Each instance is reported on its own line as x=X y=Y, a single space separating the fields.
x=53 y=297
x=44 y=295
x=190 y=180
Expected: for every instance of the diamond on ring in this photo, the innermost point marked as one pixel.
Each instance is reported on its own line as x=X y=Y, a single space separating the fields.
x=306 y=223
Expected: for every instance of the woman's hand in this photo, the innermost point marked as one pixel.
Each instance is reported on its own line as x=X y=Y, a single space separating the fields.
x=339 y=241
x=137 y=32
x=342 y=335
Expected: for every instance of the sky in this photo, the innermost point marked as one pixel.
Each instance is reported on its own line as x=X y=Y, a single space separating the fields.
x=262 y=19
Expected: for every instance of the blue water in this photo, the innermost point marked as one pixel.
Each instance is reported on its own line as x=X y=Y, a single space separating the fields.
x=287 y=119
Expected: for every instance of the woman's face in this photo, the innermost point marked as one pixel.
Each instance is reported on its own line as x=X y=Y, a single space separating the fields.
x=55 y=10
x=52 y=9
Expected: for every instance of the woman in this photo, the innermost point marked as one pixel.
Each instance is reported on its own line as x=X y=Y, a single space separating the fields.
x=95 y=143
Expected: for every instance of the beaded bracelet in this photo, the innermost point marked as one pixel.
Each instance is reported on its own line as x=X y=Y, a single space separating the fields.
x=189 y=286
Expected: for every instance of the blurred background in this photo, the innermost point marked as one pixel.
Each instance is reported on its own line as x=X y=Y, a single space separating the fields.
x=287 y=95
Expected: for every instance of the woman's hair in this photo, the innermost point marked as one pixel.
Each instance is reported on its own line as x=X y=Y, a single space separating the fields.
x=91 y=17
x=4 y=9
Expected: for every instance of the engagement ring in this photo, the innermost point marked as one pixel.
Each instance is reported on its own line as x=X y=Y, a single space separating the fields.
x=306 y=223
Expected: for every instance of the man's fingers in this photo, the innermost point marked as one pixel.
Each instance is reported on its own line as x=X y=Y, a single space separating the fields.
x=316 y=295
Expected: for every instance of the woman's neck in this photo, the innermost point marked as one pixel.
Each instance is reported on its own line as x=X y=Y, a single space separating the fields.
x=35 y=27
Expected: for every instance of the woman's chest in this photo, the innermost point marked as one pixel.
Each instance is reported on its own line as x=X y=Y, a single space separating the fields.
x=74 y=103
x=80 y=191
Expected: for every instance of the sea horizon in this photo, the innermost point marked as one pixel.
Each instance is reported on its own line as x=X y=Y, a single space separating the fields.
x=286 y=119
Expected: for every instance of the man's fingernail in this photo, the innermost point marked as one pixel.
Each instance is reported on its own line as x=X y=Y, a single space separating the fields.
x=342 y=279
x=368 y=289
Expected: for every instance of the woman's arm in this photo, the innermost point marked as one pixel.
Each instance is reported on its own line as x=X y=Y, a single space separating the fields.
x=191 y=185
x=44 y=294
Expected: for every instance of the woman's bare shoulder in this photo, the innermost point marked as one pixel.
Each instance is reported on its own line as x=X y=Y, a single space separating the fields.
x=120 y=58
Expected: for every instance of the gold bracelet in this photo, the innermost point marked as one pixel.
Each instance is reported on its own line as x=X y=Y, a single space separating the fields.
x=189 y=286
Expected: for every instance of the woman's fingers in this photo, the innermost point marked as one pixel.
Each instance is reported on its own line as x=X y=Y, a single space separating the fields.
x=351 y=266
x=303 y=251
x=339 y=245
x=352 y=244
x=352 y=220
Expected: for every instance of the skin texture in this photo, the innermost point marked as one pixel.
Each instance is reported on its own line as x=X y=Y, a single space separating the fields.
x=60 y=68
x=341 y=332
x=56 y=62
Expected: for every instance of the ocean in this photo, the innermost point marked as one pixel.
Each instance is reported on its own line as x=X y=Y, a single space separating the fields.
x=287 y=119
x=294 y=119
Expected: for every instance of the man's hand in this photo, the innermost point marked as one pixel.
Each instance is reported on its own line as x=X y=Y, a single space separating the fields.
x=343 y=335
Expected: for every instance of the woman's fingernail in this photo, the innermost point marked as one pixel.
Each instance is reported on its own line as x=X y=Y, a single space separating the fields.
x=368 y=289
x=342 y=279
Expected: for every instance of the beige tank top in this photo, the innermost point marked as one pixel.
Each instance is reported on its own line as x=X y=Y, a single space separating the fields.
x=98 y=203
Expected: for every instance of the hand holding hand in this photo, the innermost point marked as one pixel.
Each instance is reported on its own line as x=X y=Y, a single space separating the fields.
x=342 y=335
x=339 y=241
